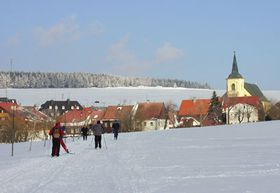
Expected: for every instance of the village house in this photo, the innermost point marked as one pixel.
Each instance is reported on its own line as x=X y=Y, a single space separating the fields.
x=242 y=109
x=8 y=110
x=5 y=99
x=140 y=117
x=25 y=122
x=120 y=113
x=150 y=116
x=56 y=108
x=75 y=119
x=193 y=113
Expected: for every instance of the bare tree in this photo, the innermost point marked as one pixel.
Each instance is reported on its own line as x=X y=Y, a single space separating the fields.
x=126 y=121
x=228 y=104
x=248 y=112
x=240 y=114
x=170 y=108
x=274 y=112
x=138 y=122
x=201 y=106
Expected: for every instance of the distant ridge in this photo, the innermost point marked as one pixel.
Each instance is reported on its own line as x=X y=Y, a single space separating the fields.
x=85 y=80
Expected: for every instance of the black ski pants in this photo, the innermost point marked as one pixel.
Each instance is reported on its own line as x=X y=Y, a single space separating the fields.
x=97 y=141
x=55 y=147
x=84 y=137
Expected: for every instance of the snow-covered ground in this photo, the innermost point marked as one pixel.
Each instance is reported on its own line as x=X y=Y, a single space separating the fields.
x=114 y=96
x=242 y=158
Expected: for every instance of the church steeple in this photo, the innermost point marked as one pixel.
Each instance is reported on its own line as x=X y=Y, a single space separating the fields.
x=234 y=71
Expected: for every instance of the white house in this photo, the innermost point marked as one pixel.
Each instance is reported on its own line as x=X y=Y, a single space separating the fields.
x=242 y=109
x=151 y=116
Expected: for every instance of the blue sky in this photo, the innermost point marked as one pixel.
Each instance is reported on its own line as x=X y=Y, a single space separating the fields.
x=177 y=39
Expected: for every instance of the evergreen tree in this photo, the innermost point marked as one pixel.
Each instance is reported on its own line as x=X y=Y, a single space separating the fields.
x=215 y=111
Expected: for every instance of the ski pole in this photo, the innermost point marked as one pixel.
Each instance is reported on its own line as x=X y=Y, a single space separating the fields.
x=91 y=140
x=104 y=141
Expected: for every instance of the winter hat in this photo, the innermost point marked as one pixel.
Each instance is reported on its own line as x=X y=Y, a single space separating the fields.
x=57 y=124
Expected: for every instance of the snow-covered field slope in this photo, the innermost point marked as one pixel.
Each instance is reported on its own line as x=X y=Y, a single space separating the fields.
x=241 y=158
x=114 y=96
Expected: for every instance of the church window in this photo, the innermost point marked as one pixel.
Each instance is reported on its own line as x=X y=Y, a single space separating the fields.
x=233 y=87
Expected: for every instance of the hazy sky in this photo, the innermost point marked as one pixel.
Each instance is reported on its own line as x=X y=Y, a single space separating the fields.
x=177 y=39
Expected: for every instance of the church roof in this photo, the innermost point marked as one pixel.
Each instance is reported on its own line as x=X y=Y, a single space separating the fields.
x=254 y=90
x=234 y=71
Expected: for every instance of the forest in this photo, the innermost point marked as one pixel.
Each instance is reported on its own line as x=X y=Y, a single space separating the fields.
x=86 y=80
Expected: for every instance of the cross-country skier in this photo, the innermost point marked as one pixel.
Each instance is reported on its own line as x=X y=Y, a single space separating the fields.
x=56 y=133
x=98 y=130
x=116 y=128
x=84 y=132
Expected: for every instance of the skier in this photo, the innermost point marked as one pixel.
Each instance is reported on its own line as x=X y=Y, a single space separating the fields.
x=98 y=130
x=84 y=131
x=116 y=128
x=56 y=133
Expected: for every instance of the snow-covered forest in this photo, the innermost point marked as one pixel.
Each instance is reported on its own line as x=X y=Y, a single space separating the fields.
x=85 y=80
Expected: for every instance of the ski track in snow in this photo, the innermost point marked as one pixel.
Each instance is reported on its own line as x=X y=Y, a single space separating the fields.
x=246 y=158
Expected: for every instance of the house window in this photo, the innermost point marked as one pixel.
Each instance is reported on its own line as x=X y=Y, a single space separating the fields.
x=50 y=107
x=145 y=123
x=233 y=87
x=56 y=107
x=151 y=124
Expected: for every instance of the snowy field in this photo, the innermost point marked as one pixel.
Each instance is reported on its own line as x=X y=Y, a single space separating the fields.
x=241 y=158
x=115 y=96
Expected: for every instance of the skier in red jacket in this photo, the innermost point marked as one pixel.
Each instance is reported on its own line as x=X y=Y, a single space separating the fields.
x=56 y=132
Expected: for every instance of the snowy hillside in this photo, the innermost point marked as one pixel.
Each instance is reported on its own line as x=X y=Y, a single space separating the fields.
x=238 y=158
x=114 y=96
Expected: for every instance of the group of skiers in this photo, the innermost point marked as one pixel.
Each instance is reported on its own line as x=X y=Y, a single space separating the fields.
x=57 y=133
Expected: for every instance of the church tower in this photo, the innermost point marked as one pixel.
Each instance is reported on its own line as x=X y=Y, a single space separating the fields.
x=235 y=82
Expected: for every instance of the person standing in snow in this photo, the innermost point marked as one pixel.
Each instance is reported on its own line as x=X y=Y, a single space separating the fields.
x=84 y=131
x=56 y=133
x=116 y=128
x=98 y=130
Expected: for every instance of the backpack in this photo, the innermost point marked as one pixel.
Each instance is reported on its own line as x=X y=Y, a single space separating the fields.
x=56 y=132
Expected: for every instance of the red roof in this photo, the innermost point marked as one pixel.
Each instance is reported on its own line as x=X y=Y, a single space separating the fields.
x=39 y=114
x=194 y=107
x=151 y=110
x=80 y=115
x=115 y=112
x=250 y=100
x=8 y=106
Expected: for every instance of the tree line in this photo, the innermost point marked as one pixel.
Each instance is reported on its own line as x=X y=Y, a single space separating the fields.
x=86 y=80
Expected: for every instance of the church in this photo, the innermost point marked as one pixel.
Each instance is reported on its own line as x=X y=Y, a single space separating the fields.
x=243 y=101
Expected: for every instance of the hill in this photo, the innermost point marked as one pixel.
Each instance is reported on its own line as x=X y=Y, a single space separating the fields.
x=236 y=158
